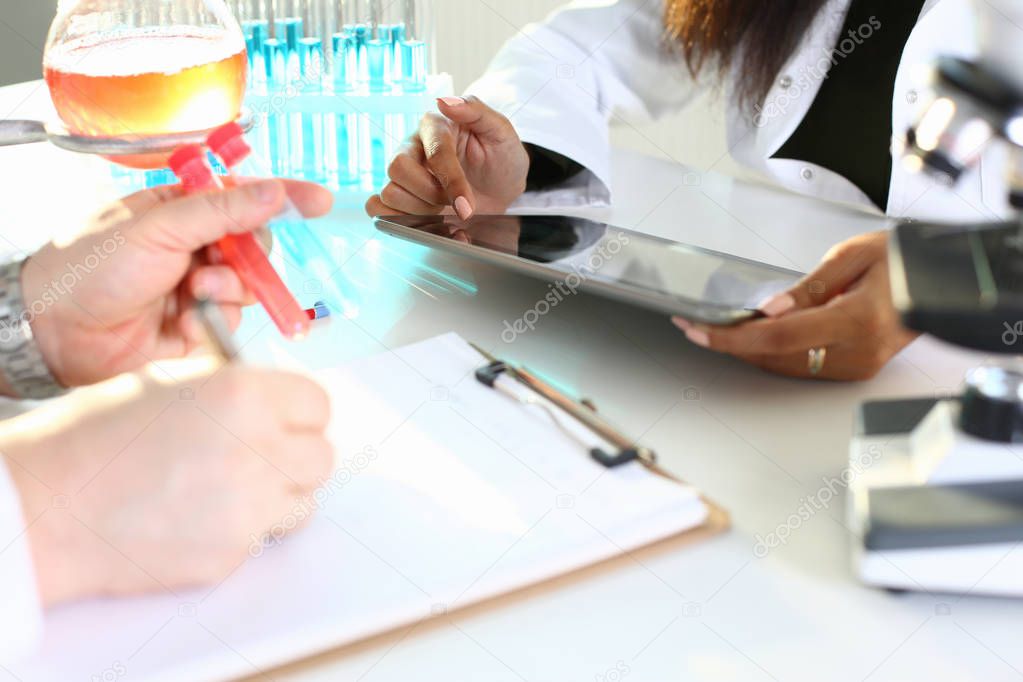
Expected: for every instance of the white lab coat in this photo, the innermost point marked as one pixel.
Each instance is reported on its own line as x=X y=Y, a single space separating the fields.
x=561 y=82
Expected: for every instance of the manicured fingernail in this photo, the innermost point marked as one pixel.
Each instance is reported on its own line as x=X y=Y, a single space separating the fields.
x=265 y=192
x=452 y=101
x=682 y=323
x=463 y=208
x=699 y=337
x=776 y=306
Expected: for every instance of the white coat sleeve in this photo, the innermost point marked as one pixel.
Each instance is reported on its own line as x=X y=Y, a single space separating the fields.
x=21 y=614
x=561 y=82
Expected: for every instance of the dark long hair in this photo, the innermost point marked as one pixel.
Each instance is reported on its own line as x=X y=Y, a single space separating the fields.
x=759 y=35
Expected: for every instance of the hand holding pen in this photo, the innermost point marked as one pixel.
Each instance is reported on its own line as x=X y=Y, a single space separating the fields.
x=120 y=295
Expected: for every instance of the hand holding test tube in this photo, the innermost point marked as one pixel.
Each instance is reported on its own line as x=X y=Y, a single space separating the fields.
x=243 y=251
x=302 y=245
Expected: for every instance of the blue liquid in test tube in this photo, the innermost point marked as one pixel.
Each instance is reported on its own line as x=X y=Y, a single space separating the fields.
x=256 y=33
x=377 y=57
x=343 y=126
x=361 y=38
x=345 y=67
x=310 y=55
x=250 y=48
x=378 y=53
x=275 y=60
x=413 y=62
x=397 y=37
x=275 y=55
x=310 y=52
x=290 y=31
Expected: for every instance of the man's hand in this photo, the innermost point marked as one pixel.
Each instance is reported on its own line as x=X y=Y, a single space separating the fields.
x=120 y=295
x=143 y=484
x=844 y=306
x=468 y=159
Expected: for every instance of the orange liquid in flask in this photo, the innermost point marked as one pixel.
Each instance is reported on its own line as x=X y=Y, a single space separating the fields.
x=148 y=82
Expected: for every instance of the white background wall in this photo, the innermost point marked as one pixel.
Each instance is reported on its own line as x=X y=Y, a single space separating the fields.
x=469 y=33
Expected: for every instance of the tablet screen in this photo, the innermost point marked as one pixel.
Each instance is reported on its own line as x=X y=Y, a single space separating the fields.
x=580 y=251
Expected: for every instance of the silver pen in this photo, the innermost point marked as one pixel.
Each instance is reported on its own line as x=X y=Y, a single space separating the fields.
x=218 y=334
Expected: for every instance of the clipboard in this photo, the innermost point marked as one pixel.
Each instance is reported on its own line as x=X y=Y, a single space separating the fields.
x=717 y=522
x=458 y=503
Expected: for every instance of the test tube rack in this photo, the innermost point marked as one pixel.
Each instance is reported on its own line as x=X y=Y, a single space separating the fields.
x=335 y=87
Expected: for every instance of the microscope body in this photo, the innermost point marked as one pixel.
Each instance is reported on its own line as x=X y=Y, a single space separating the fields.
x=940 y=506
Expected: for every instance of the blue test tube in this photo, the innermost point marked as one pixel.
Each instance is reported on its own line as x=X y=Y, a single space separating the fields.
x=397 y=38
x=310 y=52
x=256 y=32
x=378 y=60
x=258 y=29
x=275 y=58
x=275 y=55
x=345 y=67
x=289 y=30
x=361 y=38
x=343 y=126
x=414 y=66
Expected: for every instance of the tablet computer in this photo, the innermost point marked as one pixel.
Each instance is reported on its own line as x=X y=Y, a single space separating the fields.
x=575 y=254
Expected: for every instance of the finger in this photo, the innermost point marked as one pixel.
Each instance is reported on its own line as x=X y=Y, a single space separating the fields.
x=840 y=268
x=310 y=199
x=375 y=207
x=220 y=284
x=193 y=331
x=440 y=146
x=411 y=174
x=796 y=365
x=841 y=363
x=473 y=115
x=300 y=403
x=399 y=199
x=140 y=202
x=306 y=458
x=793 y=333
x=214 y=254
x=189 y=223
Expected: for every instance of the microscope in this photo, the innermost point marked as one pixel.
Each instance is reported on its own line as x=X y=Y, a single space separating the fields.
x=936 y=485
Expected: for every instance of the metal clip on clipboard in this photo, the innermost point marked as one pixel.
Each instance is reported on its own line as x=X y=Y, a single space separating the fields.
x=583 y=412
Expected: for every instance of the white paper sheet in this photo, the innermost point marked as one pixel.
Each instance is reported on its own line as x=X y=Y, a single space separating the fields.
x=446 y=493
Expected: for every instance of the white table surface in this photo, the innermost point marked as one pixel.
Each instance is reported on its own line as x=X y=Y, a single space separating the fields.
x=758 y=444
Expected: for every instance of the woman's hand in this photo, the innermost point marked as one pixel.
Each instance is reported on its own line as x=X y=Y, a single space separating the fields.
x=120 y=295
x=165 y=484
x=468 y=159
x=844 y=307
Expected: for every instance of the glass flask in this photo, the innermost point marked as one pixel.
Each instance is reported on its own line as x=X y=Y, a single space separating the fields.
x=131 y=68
